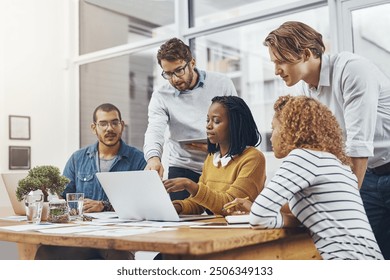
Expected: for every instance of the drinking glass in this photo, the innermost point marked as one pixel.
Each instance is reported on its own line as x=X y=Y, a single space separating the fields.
x=75 y=204
x=34 y=204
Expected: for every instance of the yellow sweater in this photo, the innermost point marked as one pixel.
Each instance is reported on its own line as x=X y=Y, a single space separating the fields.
x=243 y=176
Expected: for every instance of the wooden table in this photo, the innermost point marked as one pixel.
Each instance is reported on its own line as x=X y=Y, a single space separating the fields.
x=182 y=243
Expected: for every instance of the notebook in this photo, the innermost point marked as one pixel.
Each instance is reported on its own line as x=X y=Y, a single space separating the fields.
x=11 y=181
x=232 y=221
x=141 y=195
x=237 y=219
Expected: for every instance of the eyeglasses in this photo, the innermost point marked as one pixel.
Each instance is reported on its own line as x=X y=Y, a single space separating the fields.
x=178 y=72
x=105 y=124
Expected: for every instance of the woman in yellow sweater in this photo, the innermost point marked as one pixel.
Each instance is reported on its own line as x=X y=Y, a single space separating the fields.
x=234 y=167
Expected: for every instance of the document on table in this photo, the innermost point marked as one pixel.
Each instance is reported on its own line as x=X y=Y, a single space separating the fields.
x=14 y=218
x=221 y=225
x=74 y=229
x=158 y=224
x=35 y=227
x=138 y=223
x=106 y=222
x=114 y=231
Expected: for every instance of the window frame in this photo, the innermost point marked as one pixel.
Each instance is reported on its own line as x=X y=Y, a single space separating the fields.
x=343 y=10
x=182 y=29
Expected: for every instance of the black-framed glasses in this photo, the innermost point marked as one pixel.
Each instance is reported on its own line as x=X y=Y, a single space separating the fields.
x=178 y=72
x=105 y=124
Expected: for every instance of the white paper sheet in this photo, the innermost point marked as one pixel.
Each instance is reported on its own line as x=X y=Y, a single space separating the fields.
x=75 y=229
x=221 y=225
x=158 y=224
x=124 y=231
x=15 y=218
x=40 y=226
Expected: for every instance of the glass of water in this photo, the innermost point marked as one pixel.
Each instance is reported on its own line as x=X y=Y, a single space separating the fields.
x=34 y=204
x=75 y=204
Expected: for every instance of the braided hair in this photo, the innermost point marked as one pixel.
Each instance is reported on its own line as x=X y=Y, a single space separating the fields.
x=242 y=126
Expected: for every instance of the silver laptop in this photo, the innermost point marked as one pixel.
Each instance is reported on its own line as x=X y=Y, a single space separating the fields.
x=141 y=195
x=11 y=181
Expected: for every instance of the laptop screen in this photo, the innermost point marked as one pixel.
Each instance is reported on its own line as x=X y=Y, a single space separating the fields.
x=11 y=181
x=140 y=195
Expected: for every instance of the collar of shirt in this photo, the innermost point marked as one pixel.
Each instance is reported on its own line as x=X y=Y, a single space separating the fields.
x=200 y=83
x=223 y=160
x=324 y=74
x=123 y=152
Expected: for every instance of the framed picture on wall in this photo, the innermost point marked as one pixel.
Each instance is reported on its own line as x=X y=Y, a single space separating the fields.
x=19 y=157
x=19 y=127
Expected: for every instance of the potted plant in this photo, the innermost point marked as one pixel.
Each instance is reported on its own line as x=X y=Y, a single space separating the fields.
x=46 y=178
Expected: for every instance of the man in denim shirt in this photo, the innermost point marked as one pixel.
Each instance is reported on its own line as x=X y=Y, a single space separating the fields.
x=109 y=154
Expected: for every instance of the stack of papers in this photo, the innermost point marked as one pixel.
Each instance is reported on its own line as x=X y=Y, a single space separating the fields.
x=235 y=221
x=221 y=225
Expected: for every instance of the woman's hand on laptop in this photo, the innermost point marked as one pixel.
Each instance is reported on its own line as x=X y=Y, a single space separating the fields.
x=180 y=184
x=178 y=207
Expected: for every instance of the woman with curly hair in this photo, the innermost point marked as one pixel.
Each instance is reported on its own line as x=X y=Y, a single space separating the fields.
x=316 y=181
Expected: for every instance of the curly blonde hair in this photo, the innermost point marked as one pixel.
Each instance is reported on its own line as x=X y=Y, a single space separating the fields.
x=306 y=123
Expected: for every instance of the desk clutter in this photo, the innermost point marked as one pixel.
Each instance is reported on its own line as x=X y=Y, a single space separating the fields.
x=108 y=223
x=174 y=240
x=97 y=224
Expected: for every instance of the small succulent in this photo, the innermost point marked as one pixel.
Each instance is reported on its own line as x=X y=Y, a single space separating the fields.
x=46 y=178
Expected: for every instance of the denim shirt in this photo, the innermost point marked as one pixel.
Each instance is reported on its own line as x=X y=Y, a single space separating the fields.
x=81 y=169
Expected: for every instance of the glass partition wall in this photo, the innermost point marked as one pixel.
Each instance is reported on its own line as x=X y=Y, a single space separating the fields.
x=109 y=23
x=121 y=38
x=125 y=81
x=239 y=53
x=371 y=40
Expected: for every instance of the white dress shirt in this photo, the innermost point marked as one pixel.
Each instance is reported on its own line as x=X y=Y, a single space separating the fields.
x=358 y=94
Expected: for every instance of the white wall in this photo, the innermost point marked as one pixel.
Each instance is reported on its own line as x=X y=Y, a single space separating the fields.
x=34 y=49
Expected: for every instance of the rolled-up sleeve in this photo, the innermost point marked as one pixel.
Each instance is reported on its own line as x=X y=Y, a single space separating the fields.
x=360 y=94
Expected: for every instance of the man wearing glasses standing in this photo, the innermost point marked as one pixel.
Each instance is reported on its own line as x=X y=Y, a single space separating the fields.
x=181 y=105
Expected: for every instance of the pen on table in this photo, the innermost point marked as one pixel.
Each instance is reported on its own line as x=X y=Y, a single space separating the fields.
x=233 y=204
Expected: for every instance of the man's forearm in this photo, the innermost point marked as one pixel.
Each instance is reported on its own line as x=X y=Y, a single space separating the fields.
x=359 y=168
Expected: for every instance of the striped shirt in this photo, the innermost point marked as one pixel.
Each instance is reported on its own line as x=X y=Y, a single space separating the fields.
x=322 y=194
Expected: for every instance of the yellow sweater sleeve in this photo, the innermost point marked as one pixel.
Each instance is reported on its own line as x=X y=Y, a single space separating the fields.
x=243 y=176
